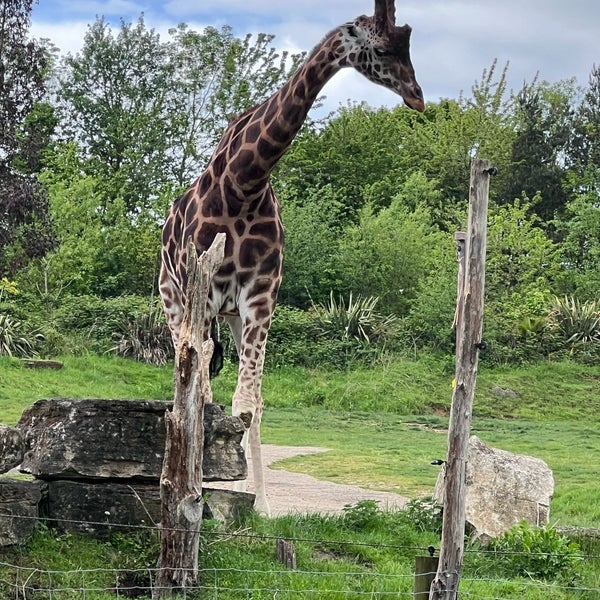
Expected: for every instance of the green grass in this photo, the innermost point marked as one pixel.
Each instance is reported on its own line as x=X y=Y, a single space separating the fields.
x=383 y=426
x=88 y=376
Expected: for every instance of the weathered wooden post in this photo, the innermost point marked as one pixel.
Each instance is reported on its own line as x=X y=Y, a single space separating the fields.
x=469 y=320
x=181 y=478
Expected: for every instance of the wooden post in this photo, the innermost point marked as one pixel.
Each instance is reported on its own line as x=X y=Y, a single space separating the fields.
x=181 y=478
x=468 y=344
x=286 y=553
x=425 y=571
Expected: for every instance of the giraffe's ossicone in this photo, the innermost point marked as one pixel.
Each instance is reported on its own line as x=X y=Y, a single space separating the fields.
x=233 y=195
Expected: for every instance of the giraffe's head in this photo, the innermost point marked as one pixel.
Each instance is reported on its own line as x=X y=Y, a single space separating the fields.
x=380 y=51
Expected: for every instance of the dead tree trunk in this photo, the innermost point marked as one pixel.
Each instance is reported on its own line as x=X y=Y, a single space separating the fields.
x=181 y=478
x=468 y=344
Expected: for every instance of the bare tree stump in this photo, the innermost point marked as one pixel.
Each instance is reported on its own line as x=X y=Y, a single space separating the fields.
x=181 y=479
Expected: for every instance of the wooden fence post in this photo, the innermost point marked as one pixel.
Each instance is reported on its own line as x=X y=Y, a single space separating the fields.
x=181 y=478
x=468 y=344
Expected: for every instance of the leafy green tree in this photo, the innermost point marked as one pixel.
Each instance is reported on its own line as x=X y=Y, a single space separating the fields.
x=354 y=151
x=452 y=133
x=584 y=148
x=311 y=268
x=522 y=268
x=143 y=115
x=544 y=126
x=387 y=254
x=25 y=229
x=115 y=93
x=216 y=76
x=579 y=229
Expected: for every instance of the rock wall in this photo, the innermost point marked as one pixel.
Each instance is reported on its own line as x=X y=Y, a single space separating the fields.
x=97 y=464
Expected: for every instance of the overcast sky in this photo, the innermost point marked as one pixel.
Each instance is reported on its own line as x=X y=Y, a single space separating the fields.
x=453 y=41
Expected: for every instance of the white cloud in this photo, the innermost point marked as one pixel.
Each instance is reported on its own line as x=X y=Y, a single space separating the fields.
x=452 y=42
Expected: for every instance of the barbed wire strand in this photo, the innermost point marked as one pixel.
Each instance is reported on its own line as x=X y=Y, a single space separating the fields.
x=267 y=537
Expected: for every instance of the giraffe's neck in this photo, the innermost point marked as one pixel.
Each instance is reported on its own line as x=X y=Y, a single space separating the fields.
x=255 y=141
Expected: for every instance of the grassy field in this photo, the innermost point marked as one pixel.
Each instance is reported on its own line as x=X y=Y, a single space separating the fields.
x=383 y=428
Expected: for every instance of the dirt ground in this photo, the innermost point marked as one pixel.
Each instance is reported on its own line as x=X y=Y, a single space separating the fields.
x=299 y=493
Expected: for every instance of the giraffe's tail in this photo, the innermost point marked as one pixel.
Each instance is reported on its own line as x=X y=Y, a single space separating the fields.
x=216 y=361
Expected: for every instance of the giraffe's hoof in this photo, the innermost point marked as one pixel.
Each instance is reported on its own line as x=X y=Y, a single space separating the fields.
x=246 y=418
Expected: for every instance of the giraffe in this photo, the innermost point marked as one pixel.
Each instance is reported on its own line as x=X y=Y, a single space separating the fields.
x=233 y=195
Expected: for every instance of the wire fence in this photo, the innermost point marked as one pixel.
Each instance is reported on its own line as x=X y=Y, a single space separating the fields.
x=331 y=581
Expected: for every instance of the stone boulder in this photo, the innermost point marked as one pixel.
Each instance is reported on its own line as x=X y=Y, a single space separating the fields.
x=19 y=501
x=98 y=509
x=11 y=448
x=120 y=439
x=503 y=489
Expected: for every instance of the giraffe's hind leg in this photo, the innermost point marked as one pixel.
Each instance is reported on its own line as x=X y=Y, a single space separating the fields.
x=248 y=405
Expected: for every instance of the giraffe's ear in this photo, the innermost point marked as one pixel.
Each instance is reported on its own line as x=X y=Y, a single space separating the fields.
x=385 y=15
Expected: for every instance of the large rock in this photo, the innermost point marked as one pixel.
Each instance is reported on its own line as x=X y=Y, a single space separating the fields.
x=120 y=439
x=99 y=509
x=11 y=448
x=503 y=489
x=19 y=501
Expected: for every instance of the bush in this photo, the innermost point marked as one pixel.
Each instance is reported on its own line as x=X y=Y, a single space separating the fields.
x=578 y=322
x=527 y=551
x=15 y=340
x=295 y=339
x=100 y=320
x=145 y=337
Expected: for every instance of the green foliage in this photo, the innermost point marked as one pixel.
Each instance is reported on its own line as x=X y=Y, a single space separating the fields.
x=425 y=514
x=363 y=515
x=25 y=226
x=103 y=321
x=354 y=319
x=521 y=266
x=387 y=253
x=297 y=339
x=540 y=553
x=578 y=325
x=15 y=340
x=145 y=337
x=311 y=267
x=579 y=229
x=543 y=128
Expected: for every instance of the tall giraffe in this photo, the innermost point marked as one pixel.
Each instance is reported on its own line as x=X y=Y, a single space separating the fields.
x=233 y=195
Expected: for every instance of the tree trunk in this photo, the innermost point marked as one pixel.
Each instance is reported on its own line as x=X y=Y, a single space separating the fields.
x=181 y=479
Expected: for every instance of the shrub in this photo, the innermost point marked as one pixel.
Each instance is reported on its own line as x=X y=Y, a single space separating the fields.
x=15 y=340
x=295 y=339
x=578 y=322
x=354 y=319
x=535 y=552
x=100 y=320
x=424 y=515
x=362 y=516
x=145 y=337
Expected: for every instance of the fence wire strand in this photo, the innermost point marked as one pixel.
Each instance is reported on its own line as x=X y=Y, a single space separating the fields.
x=31 y=583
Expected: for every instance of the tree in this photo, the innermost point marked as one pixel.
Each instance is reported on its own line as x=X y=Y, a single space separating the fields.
x=579 y=230
x=585 y=139
x=115 y=93
x=544 y=124
x=522 y=267
x=388 y=253
x=25 y=230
